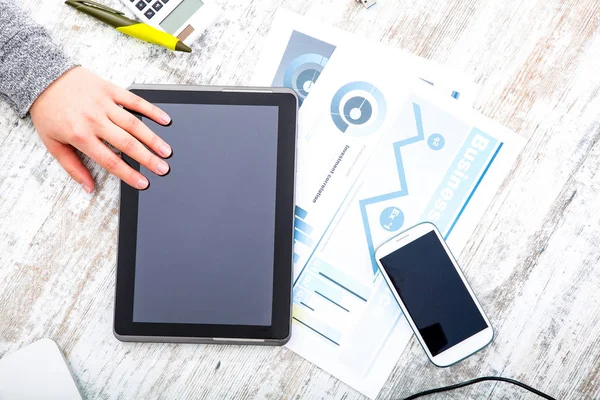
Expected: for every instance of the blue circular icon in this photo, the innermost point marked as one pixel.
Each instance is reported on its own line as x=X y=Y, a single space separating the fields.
x=302 y=73
x=358 y=109
x=306 y=79
x=391 y=219
x=436 y=141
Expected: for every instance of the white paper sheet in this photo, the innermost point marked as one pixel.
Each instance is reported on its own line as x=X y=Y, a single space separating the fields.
x=298 y=48
x=378 y=151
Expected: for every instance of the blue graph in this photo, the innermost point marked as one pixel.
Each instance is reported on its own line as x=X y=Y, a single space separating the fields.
x=302 y=230
x=403 y=187
x=303 y=72
x=358 y=109
x=321 y=285
x=392 y=218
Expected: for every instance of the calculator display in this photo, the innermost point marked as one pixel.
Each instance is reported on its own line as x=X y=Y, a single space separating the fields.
x=180 y=14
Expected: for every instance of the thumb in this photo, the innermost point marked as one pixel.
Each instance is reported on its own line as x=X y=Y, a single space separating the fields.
x=70 y=161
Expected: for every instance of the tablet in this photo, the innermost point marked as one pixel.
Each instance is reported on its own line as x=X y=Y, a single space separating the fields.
x=205 y=253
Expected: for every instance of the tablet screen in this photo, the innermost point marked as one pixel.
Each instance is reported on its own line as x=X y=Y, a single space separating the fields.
x=205 y=234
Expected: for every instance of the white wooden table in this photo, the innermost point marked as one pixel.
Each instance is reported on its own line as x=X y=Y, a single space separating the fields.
x=534 y=260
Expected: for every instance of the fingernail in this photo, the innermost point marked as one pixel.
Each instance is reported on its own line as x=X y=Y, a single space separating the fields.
x=87 y=188
x=165 y=119
x=162 y=167
x=142 y=183
x=165 y=150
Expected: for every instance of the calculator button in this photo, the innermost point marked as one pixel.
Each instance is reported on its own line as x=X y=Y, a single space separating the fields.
x=149 y=14
x=148 y=1
x=157 y=6
x=140 y=5
x=165 y=1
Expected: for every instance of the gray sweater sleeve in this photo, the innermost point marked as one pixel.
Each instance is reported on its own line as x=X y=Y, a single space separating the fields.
x=29 y=60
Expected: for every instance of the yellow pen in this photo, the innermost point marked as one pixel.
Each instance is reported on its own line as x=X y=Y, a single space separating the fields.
x=137 y=29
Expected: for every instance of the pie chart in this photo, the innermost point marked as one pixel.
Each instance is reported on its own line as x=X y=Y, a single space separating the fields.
x=358 y=109
x=303 y=72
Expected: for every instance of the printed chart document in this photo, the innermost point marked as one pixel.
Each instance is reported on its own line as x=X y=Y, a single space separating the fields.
x=298 y=49
x=378 y=151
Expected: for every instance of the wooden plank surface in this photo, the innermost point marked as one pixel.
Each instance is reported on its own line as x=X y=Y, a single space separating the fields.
x=534 y=260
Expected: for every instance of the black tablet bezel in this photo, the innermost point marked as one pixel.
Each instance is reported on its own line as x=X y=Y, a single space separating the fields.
x=124 y=326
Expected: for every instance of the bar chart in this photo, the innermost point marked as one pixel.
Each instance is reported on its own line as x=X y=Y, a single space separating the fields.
x=327 y=301
x=302 y=232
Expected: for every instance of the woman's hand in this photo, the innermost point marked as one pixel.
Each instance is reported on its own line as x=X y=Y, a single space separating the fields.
x=80 y=109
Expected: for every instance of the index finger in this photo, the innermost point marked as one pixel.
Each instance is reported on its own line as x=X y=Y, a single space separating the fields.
x=135 y=103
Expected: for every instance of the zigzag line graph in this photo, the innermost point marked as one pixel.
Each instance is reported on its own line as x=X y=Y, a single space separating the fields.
x=401 y=176
x=397 y=146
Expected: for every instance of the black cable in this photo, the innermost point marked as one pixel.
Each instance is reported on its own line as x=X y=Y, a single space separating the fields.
x=477 y=380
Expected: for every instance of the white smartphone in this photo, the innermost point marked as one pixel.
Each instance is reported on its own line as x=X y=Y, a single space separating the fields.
x=434 y=295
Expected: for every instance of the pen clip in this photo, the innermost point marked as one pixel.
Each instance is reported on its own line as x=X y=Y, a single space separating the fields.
x=93 y=4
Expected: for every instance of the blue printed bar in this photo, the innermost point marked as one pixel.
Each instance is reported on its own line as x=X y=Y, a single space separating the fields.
x=455 y=94
x=296 y=257
x=324 y=289
x=302 y=226
x=301 y=213
x=470 y=163
x=307 y=318
x=338 y=278
x=302 y=238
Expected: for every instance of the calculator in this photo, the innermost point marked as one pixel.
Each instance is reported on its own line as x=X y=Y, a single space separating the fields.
x=185 y=19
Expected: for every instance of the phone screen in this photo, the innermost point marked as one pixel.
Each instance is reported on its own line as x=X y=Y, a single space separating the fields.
x=433 y=293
